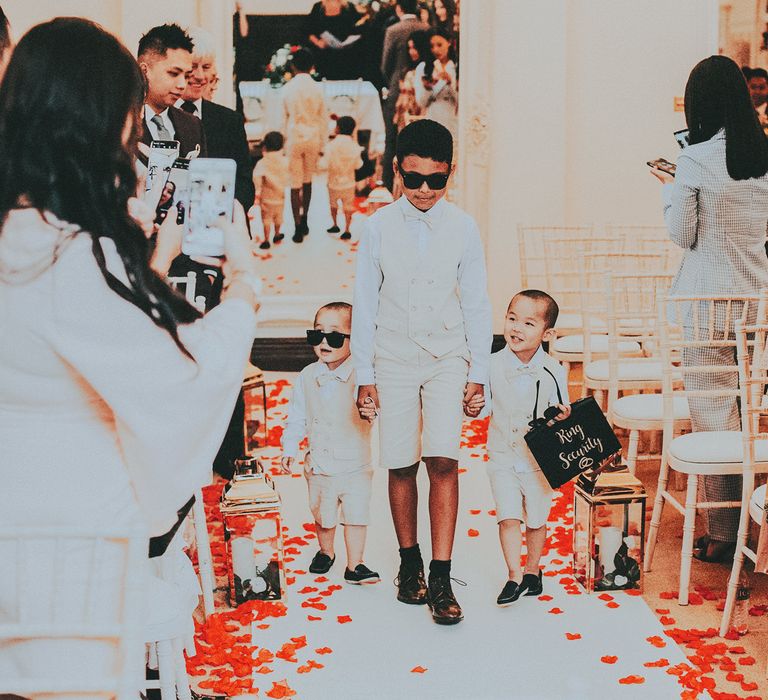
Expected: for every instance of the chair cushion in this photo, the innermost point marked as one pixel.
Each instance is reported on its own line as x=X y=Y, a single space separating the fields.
x=629 y=369
x=757 y=504
x=648 y=407
x=597 y=343
x=714 y=447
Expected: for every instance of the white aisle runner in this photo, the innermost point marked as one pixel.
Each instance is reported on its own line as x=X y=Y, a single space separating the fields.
x=522 y=652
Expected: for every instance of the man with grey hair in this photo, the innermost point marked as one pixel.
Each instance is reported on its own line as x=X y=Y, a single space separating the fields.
x=224 y=128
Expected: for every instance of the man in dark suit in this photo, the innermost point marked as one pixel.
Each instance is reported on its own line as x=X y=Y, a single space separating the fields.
x=165 y=58
x=223 y=128
x=394 y=63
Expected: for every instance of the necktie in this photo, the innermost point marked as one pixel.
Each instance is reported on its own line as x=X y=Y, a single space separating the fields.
x=162 y=133
x=325 y=377
x=189 y=106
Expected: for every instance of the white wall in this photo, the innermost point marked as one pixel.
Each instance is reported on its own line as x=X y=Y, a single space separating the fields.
x=576 y=96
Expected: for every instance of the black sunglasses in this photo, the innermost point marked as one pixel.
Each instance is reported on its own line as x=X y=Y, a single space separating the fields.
x=334 y=338
x=413 y=181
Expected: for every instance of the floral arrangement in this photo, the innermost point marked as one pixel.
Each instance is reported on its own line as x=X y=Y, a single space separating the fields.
x=278 y=70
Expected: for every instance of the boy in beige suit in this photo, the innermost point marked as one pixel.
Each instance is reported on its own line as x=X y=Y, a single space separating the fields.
x=306 y=132
x=421 y=344
x=343 y=154
x=338 y=464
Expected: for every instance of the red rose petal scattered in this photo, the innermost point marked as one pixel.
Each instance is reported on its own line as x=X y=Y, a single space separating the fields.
x=632 y=680
x=555 y=611
x=324 y=650
x=475 y=512
x=667 y=620
x=313 y=618
x=661 y=663
x=571 y=636
x=343 y=619
x=612 y=604
x=281 y=689
x=472 y=533
x=657 y=642
x=418 y=669
x=609 y=659
x=545 y=597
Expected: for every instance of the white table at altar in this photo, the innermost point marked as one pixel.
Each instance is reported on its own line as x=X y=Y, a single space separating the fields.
x=263 y=107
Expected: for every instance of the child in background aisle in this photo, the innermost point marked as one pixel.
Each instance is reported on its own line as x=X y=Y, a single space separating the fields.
x=338 y=464
x=270 y=177
x=306 y=133
x=524 y=380
x=343 y=159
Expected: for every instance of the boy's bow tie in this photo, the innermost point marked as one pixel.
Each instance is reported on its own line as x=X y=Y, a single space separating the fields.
x=325 y=377
x=521 y=371
x=418 y=216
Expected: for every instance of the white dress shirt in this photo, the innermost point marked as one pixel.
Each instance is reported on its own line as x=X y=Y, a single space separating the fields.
x=149 y=113
x=520 y=381
x=471 y=278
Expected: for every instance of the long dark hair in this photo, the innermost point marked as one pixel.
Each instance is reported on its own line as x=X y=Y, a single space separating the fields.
x=717 y=97
x=429 y=64
x=420 y=39
x=67 y=95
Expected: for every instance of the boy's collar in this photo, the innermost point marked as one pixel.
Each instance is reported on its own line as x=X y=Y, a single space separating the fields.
x=432 y=215
x=536 y=361
x=343 y=371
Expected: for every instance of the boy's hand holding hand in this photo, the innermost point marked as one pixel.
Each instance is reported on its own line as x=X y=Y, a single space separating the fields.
x=471 y=390
x=367 y=401
x=286 y=464
x=475 y=405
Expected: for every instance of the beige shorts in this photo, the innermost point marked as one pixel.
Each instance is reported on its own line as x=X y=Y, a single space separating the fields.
x=351 y=491
x=421 y=411
x=302 y=162
x=347 y=197
x=523 y=496
x=272 y=213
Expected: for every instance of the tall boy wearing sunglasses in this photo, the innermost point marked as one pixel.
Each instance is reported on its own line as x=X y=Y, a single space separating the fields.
x=421 y=341
x=338 y=464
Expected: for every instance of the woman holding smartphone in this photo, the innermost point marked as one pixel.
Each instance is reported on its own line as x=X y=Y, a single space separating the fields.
x=114 y=392
x=716 y=209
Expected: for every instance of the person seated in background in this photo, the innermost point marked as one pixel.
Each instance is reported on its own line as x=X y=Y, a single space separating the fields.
x=306 y=132
x=270 y=178
x=224 y=128
x=524 y=380
x=165 y=59
x=338 y=465
x=343 y=154
x=757 y=81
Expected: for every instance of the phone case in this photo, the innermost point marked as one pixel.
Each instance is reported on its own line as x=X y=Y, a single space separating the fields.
x=162 y=155
x=211 y=195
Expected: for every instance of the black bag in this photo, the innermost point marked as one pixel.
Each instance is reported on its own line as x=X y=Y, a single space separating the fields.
x=565 y=449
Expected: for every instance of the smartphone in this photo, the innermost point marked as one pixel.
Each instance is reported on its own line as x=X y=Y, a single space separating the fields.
x=174 y=198
x=211 y=195
x=162 y=154
x=682 y=138
x=664 y=165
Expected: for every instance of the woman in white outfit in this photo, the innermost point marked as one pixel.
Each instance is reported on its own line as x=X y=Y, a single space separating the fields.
x=114 y=392
x=436 y=84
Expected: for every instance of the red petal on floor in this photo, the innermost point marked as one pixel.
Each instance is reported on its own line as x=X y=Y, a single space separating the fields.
x=264 y=669
x=734 y=677
x=609 y=659
x=472 y=533
x=343 y=619
x=324 y=650
x=603 y=596
x=492 y=513
x=732 y=635
x=418 y=669
x=313 y=618
x=308 y=589
x=555 y=611
x=656 y=641
x=545 y=597
x=632 y=680
x=748 y=687
x=633 y=592
x=281 y=689
x=747 y=661
x=300 y=642
x=662 y=611
x=321 y=579
x=474 y=512
x=668 y=595
x=737 y=650
x=612 y=605
x=667 y=620
x=661 y=663
x=572 y=635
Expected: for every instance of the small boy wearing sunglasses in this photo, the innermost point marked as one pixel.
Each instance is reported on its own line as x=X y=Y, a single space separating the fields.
x=421 y=346
x=525 y=385
x=338 y=463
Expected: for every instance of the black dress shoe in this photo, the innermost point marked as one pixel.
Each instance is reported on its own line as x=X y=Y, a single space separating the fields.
x=345 y=236
x=321 y=563
x=509 y=594
x=278 y=237
x=334 y=229
x=411 y=587
x=304 y=227
x=265 y=245
x=297 y=236
x=531 y=585
x=441 y=601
